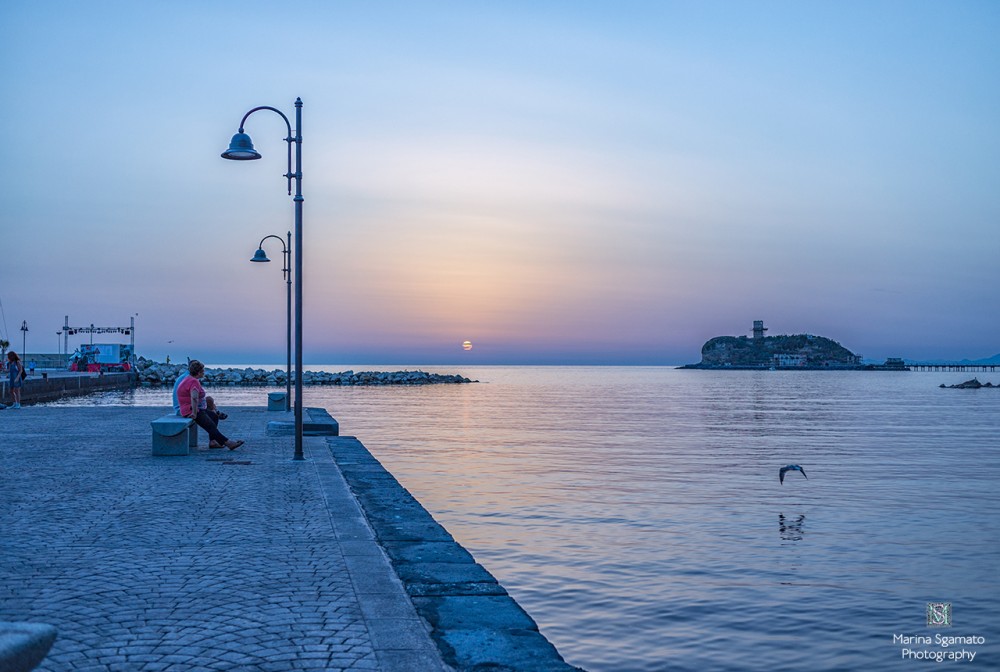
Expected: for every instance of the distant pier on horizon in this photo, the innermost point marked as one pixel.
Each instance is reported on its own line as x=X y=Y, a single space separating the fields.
x=972 y=368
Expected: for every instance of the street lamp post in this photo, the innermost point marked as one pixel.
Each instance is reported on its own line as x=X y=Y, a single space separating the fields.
x=241 y=149
x=261 y=256
x=24 y=337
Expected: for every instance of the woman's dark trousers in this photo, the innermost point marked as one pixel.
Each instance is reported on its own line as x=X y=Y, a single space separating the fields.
x=204 y=421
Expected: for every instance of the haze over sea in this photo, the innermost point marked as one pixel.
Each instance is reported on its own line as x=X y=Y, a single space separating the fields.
x=636 y=513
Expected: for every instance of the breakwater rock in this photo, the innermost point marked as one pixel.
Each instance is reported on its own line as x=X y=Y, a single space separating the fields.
x=973 y=384
x=151 y=374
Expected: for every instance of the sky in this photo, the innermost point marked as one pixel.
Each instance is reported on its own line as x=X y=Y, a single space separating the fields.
x=558 y=182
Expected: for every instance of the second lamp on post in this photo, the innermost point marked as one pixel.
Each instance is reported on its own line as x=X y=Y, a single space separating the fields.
x=241 y=149
x=261 y=256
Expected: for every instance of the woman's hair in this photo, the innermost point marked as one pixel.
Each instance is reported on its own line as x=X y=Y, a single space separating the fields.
x=195 y=367
x=12 y=356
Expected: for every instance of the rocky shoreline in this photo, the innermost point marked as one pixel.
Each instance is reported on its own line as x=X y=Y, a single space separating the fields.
x=153 y=374
x=973 y=384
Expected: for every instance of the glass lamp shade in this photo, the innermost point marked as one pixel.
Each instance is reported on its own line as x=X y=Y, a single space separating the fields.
x=241 y=149
x=260 y=255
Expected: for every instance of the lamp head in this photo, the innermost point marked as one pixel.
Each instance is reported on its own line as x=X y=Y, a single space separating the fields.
x=260 y=255
x=241 y=148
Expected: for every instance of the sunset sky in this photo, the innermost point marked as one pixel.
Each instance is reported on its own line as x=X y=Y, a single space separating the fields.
x=554 y=181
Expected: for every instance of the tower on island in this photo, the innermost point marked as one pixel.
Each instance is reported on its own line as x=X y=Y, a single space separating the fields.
x=758 y=329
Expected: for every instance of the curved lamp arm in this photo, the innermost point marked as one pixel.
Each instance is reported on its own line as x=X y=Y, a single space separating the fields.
x=284 y=248
x=285 y=251
x=288 y=175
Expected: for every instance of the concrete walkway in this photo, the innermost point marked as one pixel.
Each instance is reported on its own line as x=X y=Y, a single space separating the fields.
x=242 y=560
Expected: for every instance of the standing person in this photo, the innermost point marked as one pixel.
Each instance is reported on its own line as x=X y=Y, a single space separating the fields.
x=31 y=367
x=190 y=394
x=14 y=371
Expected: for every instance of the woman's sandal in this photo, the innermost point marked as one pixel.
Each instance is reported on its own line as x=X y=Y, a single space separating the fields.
x=236 y=444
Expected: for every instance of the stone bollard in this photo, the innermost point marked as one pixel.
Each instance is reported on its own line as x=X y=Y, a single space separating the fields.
x=275 y=401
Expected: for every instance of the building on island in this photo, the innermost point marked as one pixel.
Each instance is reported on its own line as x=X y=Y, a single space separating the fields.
x=786 y=361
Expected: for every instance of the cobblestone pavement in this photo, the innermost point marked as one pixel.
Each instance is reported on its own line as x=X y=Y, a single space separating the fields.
x=242 y=560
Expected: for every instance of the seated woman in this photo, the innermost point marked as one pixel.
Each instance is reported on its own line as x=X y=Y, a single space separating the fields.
x=190 y=394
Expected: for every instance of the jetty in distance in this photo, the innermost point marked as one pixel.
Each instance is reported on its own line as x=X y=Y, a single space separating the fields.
x=951 y=366
x=804 y=352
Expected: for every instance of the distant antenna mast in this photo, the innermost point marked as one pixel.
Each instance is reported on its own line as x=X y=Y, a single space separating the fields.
x=758 y=329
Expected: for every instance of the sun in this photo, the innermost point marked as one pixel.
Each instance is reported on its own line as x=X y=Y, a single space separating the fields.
x=467 y=345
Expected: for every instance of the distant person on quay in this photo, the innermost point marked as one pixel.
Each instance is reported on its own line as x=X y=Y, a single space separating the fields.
x=190 y=395
x=15 y=374
x=31 y=367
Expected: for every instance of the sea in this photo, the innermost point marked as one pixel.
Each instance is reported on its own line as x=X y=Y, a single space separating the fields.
x=637 y=514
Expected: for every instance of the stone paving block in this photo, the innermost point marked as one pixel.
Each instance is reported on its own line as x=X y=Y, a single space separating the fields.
x=443 y=572
x=520 y=651
x=377 y=606
x=367 y=563
x=426 y=551
x=405 y=530
x=351 y=548
x=400 y=661
x=444 y=589
x=407 y=633
x=464 y=612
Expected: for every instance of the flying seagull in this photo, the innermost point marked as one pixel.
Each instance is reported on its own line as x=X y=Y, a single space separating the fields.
x=790 y=467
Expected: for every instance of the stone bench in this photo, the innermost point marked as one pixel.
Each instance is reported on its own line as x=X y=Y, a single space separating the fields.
x=174 y=435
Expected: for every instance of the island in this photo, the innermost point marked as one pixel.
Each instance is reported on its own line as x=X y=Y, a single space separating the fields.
x=797 y=352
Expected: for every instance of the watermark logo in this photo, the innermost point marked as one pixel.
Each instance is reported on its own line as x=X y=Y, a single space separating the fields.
x=939 y=614
x=938 y=647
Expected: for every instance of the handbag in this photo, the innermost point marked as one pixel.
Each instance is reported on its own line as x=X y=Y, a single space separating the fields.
x=24 y=374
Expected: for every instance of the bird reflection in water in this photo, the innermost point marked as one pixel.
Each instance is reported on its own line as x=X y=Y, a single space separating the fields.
x=790 y=528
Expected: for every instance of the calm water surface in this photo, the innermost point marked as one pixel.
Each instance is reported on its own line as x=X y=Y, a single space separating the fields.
x=636 y=513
